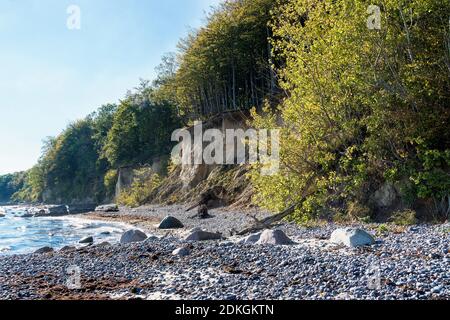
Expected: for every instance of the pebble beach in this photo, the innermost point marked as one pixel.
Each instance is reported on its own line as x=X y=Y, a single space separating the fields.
x=412 y=263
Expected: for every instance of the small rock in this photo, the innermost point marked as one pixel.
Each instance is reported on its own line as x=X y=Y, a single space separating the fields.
x=105 y=233
x=44 y=250
x=55 y=211
x=182 y=252
x=81 y=208
x=133 y=236
x=352 y=237
x=200 y=235
x=87 y=240
x=104 y=244
x=253 y=238
x=170 y=223
x=2 y=215
x=434 y=256
x=275 y=237
x=107 y=208
x=136 y=290
x=151 y=238
x=67 y=248
x=436 y=289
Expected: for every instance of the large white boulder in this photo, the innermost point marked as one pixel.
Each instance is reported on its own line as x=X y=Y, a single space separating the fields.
x=133 y=236
x=352 y=237
x=274 y=237
x=251 y=239
x=44 y=250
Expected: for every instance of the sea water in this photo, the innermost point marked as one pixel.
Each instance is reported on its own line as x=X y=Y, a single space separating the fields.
x=21 y=235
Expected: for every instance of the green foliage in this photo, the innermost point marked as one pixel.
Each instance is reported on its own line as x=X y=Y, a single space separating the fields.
x=357 y=211
x=10 y=184
x=382 y=229
x=362 y=104
x=142 y=188
x=404 y=218
x=110 y=182
x=226 y=64
x=141 y=129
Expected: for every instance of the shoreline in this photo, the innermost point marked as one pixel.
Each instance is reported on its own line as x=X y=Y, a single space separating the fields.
x=412 y=264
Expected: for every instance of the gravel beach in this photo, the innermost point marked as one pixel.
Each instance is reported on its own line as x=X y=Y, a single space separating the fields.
x=409 y=264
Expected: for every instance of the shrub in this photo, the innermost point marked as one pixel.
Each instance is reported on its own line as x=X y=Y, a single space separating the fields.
x=141 y=190
x=404 y=217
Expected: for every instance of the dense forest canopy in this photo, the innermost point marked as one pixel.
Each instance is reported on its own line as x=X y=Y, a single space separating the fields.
x=359 y=107
x=227 y=64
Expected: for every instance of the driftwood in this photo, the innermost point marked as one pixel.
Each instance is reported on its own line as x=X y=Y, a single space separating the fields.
x=269 y=221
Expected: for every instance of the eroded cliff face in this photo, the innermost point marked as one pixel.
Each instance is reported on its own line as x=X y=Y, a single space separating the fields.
x=185 y=182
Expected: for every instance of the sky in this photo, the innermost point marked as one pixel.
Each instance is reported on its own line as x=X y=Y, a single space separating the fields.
x=51 y=75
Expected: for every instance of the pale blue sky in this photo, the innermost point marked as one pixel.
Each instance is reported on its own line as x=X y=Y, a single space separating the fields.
x=50 y=75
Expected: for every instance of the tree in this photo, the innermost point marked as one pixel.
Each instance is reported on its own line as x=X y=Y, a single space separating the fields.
x=362 y=105
x=141 y=129
x=226 y=65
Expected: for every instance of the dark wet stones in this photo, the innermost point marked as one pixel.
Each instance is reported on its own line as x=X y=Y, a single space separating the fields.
x=87 y=240
x=200 y=235
x=133 y=236
x=170 y=222
x=44 y=250
x=67 y=249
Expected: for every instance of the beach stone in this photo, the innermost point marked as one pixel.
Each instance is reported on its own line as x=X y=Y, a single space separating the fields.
x=151 y=238
x=87 y=240
x=352 y=237
x=53 y=211
x=107 y=208
x=81 y=208
x=170 y=223
x=275 y=237
x=2 y=215
x=253 y=238
x=200 y=235
x=182 y=252
x=133 y=236
x=44 y=250
x=67 y=248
